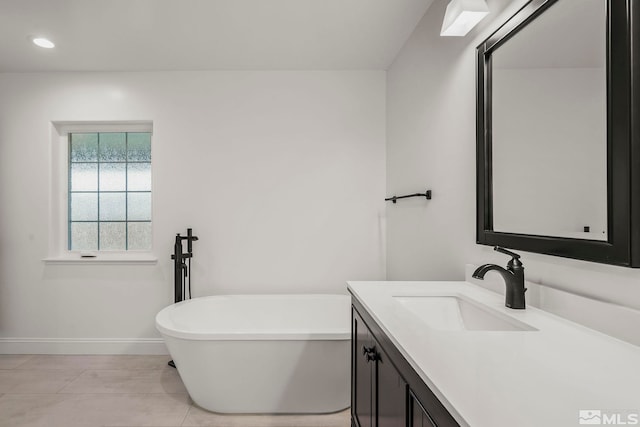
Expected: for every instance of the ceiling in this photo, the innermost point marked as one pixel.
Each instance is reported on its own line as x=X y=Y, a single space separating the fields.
x=148 y=35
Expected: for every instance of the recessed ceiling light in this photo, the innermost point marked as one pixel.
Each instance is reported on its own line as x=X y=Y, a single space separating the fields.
x=42 y=42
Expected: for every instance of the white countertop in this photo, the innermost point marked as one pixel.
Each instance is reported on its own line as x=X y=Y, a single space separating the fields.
x=537 y=378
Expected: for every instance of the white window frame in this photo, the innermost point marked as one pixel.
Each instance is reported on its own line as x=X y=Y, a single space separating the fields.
x=59 y=196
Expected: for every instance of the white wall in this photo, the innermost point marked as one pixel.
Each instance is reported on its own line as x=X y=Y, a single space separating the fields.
x=280 y=174
x=431 y=142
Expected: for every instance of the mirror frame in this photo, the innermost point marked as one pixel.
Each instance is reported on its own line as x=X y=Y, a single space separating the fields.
x=623 y=143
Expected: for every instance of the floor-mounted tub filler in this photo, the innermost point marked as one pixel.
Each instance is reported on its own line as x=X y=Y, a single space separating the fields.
x=265 y=354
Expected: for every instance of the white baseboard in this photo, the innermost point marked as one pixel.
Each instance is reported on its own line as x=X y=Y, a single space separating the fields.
x=82 y=346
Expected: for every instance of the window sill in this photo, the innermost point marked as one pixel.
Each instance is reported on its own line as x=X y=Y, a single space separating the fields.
x=103 y=258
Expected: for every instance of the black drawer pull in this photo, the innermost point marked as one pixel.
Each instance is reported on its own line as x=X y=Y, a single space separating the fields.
x=370 y=353
x=367 y=350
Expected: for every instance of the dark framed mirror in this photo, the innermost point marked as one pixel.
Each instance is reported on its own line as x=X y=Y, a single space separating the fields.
x=558 y=162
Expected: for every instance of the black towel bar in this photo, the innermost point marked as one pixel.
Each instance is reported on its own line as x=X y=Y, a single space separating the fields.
x=426 y=194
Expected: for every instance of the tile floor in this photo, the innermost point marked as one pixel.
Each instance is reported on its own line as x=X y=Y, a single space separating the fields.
x=109 y=391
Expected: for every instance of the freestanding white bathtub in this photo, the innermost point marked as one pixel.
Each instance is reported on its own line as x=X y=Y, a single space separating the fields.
x=262 y=353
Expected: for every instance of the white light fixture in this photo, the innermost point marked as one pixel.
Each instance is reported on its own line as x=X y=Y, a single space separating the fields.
x=462 y=15
x=42 y=42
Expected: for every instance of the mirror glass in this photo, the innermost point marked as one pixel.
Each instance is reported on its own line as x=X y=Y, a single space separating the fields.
x=549 y=124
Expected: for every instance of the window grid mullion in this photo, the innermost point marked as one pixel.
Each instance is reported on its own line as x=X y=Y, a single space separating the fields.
x=69 y=192
x=98 y=159
x=115 y=220
x=126 y=191
x=115 y=162
x=108 y=191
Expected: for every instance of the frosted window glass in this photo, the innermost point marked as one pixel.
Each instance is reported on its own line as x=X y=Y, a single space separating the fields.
x=84 y=207
x=113 y=177
x=113 y=207
x=139 y=206
x=84 y=176
x=84 y=147
x=113 y=147
x=110 y=185
x=84 y=236
x=113 y=236
x=140 y=235
x=139 y=177
x=139 y=147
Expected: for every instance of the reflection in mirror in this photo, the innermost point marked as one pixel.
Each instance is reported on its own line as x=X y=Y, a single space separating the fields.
x=549 y=127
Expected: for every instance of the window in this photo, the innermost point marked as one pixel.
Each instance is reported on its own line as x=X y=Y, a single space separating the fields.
x=109 y=197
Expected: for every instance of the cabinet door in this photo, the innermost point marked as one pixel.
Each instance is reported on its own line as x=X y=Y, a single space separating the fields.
x=392 y=393
x=419 y=417
x=383 y=394
x=363 y=374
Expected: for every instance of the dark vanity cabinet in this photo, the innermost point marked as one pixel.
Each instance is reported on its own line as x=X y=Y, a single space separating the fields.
x=363 y=374
x=385 y=390
x=379 y=392
x=419 y=417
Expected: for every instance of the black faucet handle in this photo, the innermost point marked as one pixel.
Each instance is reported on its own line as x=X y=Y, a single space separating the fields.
x=506 y=252
x=515 y=258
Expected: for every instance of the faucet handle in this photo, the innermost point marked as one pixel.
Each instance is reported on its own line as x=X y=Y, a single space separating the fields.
x=515 y=258
x=506 y=252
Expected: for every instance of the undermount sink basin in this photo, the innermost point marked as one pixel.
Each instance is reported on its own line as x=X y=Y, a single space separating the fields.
x=458 y=313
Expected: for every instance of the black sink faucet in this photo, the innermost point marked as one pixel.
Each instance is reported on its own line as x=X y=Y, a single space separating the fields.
x=513 y=277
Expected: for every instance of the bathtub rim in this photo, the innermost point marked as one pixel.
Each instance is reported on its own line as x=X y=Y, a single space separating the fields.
x=163 y=318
